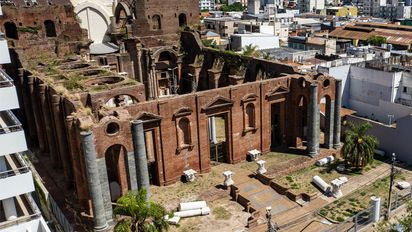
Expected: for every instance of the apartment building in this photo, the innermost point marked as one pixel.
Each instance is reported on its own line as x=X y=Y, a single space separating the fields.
x=18 y=211
x=207 y=4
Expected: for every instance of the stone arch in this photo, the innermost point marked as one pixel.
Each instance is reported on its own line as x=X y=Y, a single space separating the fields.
x=115 y=160
x=156 y=22
x=326 y=120
x=10 y=29
x=302 y=111
x=122 y=9
x=120 y=100
x=50 y=28
x=182 y=20
x=165 y=54
x=96 y=30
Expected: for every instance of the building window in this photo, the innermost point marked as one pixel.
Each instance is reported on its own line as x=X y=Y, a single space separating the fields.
x=156 y=24
x=50 y=28
x=11 y=30
x=183 y=133
x=405 y=89
x=250 y=116
x=182 y=20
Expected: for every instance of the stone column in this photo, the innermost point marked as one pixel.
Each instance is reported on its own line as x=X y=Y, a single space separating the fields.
x=48 y=124
x=38 y=121
x=139 y=64
x=139 y=147
x=154 y=80
x=313 y=122
x=28 y=111
x=212 y=130
x=100 y=223
x=131 y=171
x=336 y=124
x=329 y=123
x=61 y=139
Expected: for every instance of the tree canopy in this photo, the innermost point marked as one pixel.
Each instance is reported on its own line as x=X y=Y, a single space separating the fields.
x=377 y=40
x=359 y=147
x=237 y=6
x=251 y=50
x=139 y=214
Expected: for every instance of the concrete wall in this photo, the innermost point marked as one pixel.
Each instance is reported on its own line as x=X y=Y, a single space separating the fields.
x=342 y=73
x=263 y=42
x=391 y=139
x=95 y=17
x=380 y=111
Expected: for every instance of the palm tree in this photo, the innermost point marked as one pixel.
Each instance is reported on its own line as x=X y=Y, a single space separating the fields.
x=359 y=147
x=250 y=50
x=266 y=56
x=139 y=214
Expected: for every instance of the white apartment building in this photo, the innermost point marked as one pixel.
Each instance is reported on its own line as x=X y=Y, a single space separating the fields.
x=207 y=4
x=310 y=5
x=18 y=211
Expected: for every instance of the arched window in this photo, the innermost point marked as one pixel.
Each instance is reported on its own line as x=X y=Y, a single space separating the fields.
x=11 y=30
x=184 y=132
x=182 y=20
x=156 y=24
x=50 y=28
x=250 y=116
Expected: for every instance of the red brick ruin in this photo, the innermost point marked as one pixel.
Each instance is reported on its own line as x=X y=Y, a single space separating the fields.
x=163 y=77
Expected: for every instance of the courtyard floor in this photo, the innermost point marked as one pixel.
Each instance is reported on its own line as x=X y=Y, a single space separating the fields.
x=227 y=215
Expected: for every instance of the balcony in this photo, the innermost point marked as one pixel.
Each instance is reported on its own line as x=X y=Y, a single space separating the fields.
x=12 y=138
x=7 y=91
x=16 y=179
x=28 y=216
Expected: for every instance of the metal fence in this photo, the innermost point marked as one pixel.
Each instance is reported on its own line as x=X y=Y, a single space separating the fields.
x=363 y=218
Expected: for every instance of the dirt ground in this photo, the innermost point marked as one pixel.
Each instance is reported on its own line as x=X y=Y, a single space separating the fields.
x=226 y=215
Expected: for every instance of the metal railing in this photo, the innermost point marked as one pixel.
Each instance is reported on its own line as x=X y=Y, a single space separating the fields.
x=19 y=220
x=363 y=218
x=14 y=172
x=12 y=123
x=5 y=80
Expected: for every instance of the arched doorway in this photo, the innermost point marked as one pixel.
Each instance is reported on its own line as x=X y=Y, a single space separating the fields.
x=11 y=30
x=50 y=28
x=115 y=157
x=326 y=122
x=302 y=123
x=182 y=20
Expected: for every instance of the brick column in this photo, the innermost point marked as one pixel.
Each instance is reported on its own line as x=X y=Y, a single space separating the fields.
x=313 y=122
x=337 y=123
x=139 y=147
x=100 y=223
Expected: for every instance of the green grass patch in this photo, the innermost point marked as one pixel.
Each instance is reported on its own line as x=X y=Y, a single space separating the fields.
x=221 y=213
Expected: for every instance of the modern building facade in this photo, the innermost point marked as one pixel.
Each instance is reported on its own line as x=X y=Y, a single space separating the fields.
x=18 y=212
x=207 y=4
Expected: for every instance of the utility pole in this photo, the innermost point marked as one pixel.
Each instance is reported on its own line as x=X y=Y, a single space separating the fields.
x=390 y=186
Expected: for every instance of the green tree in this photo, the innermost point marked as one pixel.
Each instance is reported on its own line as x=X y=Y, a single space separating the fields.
x=250 y=50
x=237 y=6
x=359 y=147
x=267 y=56
x=140 y=214
x=209 y=43
x=376 y=40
